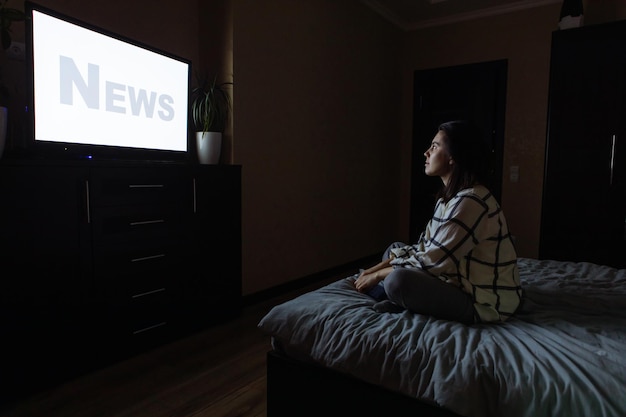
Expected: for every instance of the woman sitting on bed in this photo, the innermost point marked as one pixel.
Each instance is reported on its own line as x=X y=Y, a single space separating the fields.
x=464 y=265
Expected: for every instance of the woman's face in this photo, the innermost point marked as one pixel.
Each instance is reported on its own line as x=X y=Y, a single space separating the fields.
x=438 y=160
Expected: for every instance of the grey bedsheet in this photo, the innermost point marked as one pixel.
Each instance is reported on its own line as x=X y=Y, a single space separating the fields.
x=563 y=355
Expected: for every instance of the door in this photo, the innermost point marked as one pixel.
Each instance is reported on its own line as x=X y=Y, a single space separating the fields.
x=475 y=92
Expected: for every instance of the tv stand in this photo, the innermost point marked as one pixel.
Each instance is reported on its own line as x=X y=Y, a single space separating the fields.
x=102 y=260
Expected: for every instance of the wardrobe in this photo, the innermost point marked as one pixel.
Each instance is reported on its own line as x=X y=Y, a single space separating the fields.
x=584 y=190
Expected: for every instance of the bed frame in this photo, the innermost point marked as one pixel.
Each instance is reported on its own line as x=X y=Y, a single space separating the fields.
x=296 y=388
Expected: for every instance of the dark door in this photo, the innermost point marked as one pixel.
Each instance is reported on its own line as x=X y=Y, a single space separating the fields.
x=474 y=91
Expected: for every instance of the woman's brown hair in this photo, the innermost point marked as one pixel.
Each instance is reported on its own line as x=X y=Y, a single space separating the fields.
x=467 y=147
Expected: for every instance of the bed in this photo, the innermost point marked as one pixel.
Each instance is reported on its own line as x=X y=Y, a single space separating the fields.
x=564 y=354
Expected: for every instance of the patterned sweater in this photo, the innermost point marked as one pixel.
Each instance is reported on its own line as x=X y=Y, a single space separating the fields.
x=468 y=242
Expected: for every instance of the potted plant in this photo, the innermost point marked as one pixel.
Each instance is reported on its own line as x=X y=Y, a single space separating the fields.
x=210 y=107
x=8 y=15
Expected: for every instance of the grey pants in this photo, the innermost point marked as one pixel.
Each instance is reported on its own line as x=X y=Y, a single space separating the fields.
x=418 y=291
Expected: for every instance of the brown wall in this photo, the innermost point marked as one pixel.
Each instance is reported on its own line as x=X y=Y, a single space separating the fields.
x=317 y=132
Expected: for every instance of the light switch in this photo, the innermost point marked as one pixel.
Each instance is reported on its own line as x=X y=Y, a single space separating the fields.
x=514 y=173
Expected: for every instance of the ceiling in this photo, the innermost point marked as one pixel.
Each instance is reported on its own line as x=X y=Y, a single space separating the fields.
x=418 y=14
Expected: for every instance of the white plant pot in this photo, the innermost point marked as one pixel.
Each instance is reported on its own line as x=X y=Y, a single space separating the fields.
x=3 y=128
x=209 y=146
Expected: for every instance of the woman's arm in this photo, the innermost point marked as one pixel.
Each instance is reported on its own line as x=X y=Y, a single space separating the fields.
x=454 y=231
x=372 y=276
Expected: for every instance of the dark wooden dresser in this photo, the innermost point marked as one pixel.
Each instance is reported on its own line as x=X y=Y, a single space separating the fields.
x=104 y=260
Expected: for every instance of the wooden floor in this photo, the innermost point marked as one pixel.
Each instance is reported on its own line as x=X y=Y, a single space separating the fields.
x=217 y=372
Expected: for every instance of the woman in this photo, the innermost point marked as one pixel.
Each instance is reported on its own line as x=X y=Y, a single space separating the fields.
x=464 y=265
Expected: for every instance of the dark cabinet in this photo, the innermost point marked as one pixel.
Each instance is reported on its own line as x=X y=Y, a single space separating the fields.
x=102 y=261
x=584 y=205
x=217 y=232
x=45 y=280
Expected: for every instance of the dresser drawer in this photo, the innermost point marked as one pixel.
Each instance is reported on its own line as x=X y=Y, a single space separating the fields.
x=129 y=262
x=124 y=287
x=149 y=311
x=138 y=299
x=141 y=314
x=112 y=224
x=128 y=186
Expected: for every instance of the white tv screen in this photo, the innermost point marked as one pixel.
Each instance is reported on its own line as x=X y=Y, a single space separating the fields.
x=90 y=88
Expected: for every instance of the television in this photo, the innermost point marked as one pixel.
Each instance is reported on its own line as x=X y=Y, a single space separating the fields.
x=97 y=95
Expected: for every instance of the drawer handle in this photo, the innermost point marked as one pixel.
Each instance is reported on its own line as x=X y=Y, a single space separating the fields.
x=195 y=202
x=612 y=163
x=146 y=186
x=148 y=258
x=145 y=329
x=144 y=222
x=87 y=201
x=143 y=294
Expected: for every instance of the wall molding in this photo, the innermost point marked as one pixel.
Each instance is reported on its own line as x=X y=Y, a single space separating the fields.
x=405 y=25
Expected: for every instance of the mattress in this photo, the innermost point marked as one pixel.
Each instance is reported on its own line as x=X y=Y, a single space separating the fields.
x=562 y=354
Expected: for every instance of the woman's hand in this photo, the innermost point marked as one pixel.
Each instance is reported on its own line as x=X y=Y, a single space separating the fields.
x=366 y=281
x=372 y=276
